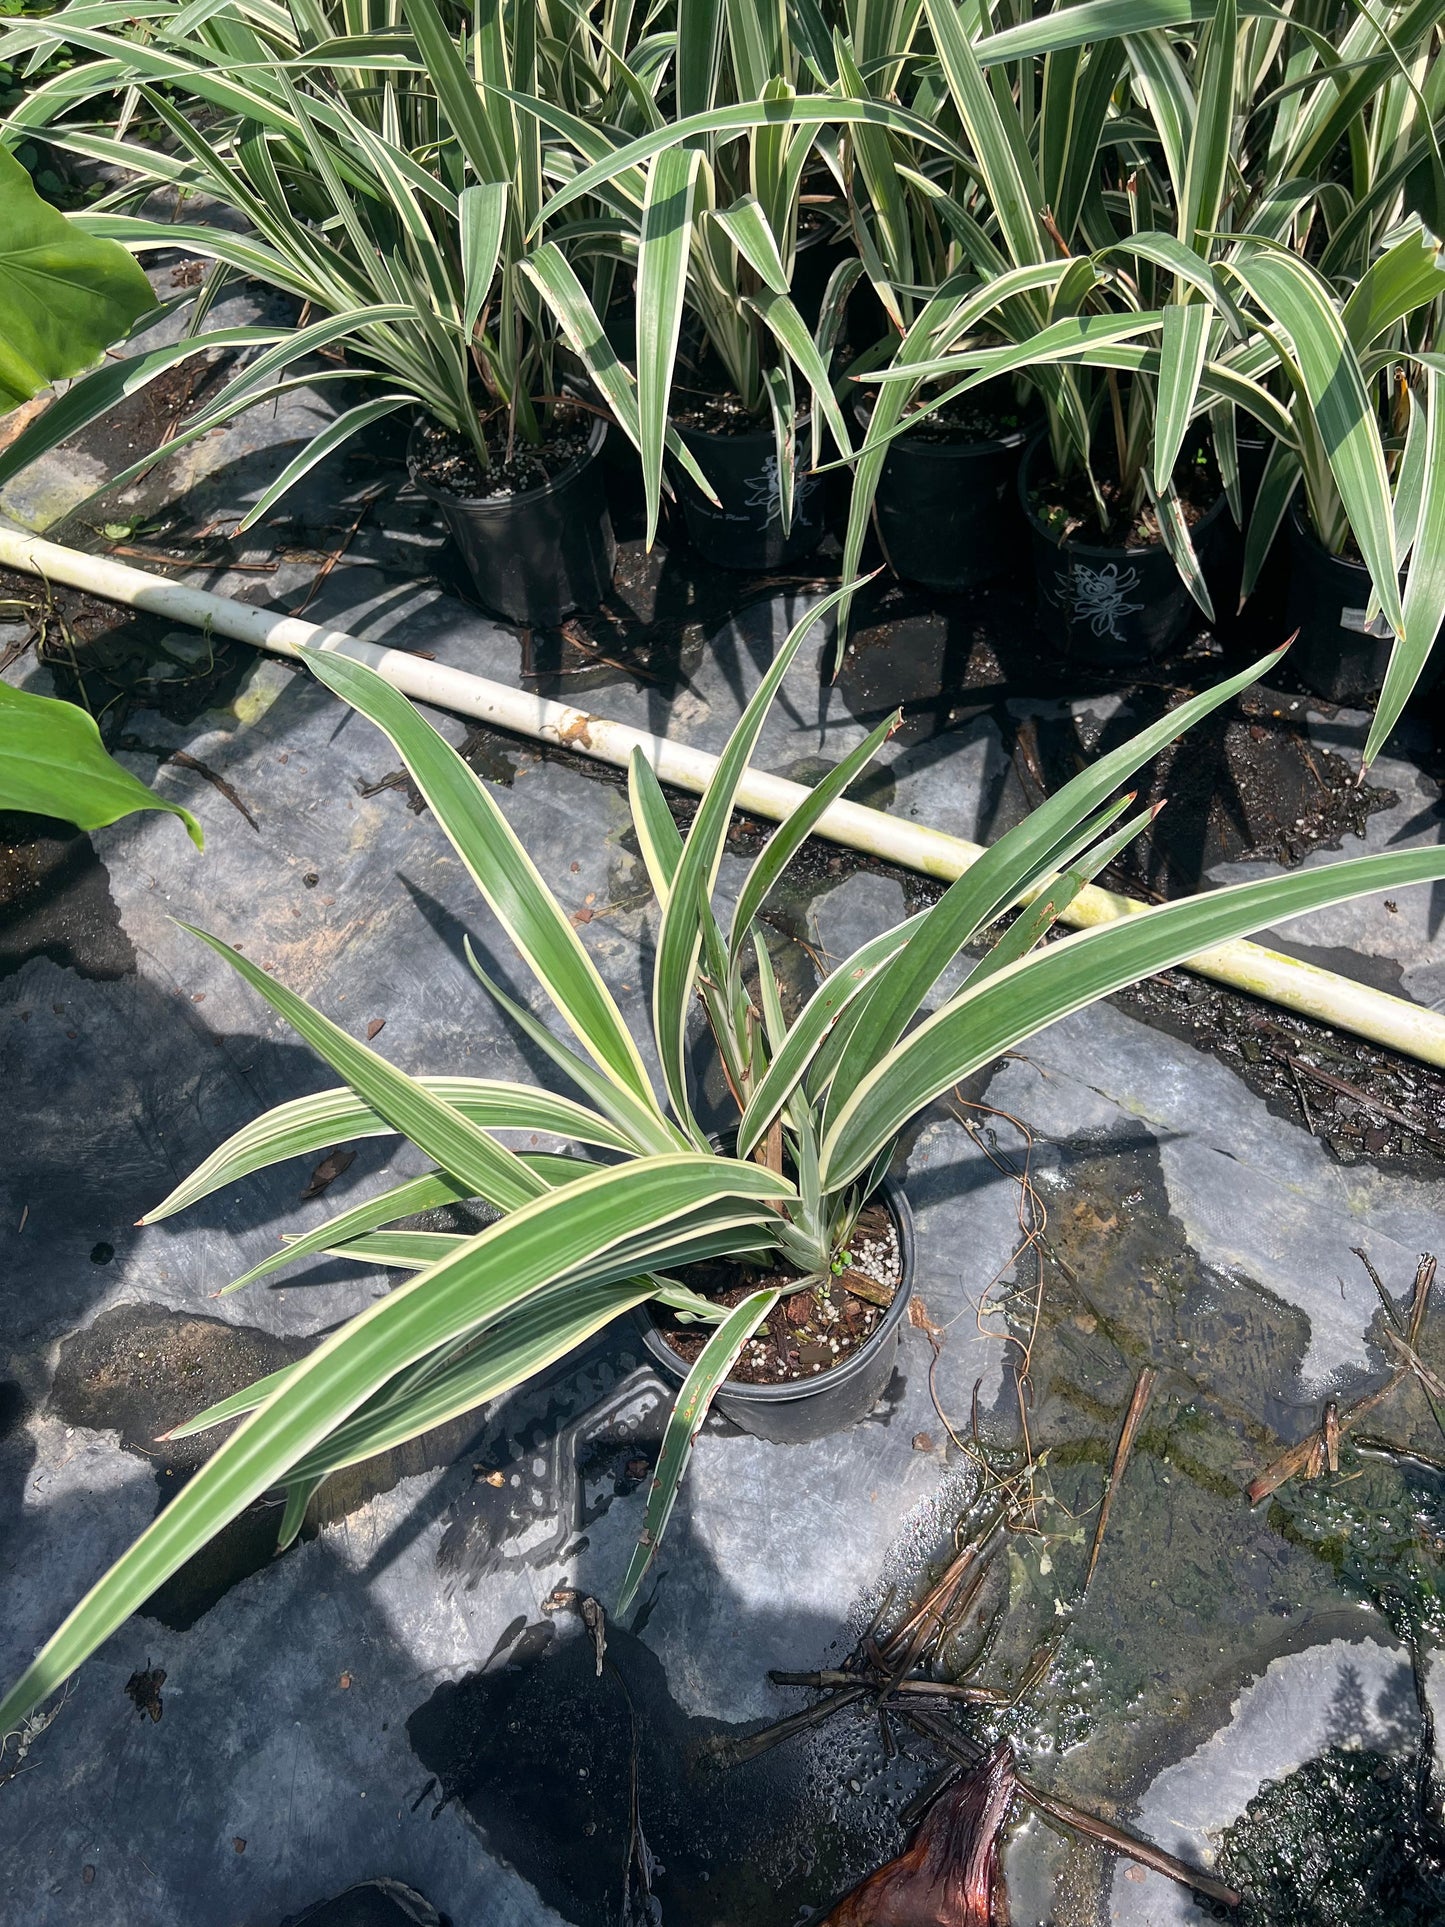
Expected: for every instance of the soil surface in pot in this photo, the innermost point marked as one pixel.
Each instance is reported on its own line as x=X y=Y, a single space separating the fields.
x=1068 y=511
x=713 y=414
x=445 y=461
x=810 y=1329
x=973 y=418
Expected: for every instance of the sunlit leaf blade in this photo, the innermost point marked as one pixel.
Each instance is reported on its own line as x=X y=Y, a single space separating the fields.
x=712 y=1366
x=1294 y=297
x=1048 y=836
x=468 y=1154
x=1183 y=345
x=1424 y=606
x=507 y=1355
x=791 y=834
x=975 y=1027
x=662 y=257
x=499 y=1269
x=53 y=763
x=500 y=868
x=308 y=1124
x=483 y=211
x=658 y=836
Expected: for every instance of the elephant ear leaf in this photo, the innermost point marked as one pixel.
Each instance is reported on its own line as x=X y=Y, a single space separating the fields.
x=65 y=295
x=53 y=763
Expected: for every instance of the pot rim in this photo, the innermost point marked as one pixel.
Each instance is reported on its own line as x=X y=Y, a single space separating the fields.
x=503 y=504
x=763 y=432
x=896 y=1199
x=949 y=451
x=1107 y=551
x=1303 y=530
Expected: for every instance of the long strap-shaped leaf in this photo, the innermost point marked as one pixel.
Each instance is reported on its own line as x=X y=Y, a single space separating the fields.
x=335 y=434
x=712 y=1366
x=307 y=1124
x=794 y=830
x=1424 y=607
x=823 y=1010
x=1297 y=300
x=662 y=257
x=468 y=1154
x=502 y=1267
x=689 y=901
x=500 y=868
x=1050 y=835
x=397 y=1201
x=977 y=1025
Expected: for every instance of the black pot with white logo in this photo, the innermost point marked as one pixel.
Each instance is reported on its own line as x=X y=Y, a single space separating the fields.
x=743 y=529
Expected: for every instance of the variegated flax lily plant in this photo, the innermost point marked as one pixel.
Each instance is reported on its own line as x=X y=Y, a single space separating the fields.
x=821 y=1103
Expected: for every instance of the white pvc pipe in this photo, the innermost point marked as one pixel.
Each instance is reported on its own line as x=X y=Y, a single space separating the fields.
x=1302 y=987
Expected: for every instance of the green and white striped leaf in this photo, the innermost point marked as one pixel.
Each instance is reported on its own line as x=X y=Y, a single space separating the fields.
x=662 y=258
x=306 y=1125
x=711 y=1368
x=1328 y=375
x=1424 y=605
x=497 y=1271
x=483 y=216
x=500 y=868
x=976 y=1026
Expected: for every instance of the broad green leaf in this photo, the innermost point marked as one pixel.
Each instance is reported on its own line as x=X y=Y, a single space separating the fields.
x=53 y=763
x=975 y=1027
x=65 y=295
x=497 y=1271
x=713 y=1364
x=500 y=868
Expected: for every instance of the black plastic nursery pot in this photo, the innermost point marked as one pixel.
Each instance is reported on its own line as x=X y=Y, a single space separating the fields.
x=1340 y=652
x=946 y=513
x=805 y=1409
x=1113 y=604
x=744 y=528
x=538 y=556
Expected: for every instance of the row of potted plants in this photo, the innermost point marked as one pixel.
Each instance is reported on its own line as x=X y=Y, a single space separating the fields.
x=1192 y=259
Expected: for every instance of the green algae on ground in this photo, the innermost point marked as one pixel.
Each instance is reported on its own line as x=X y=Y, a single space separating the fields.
x=1345 y=1841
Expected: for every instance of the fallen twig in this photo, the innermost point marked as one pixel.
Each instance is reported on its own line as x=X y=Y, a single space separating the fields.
x=1128 y=1432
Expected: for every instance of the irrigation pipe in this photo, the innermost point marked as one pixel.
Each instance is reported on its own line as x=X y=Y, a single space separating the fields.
x=1302 y=987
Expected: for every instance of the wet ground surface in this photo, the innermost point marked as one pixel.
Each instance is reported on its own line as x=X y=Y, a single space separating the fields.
x=1179 y=1181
